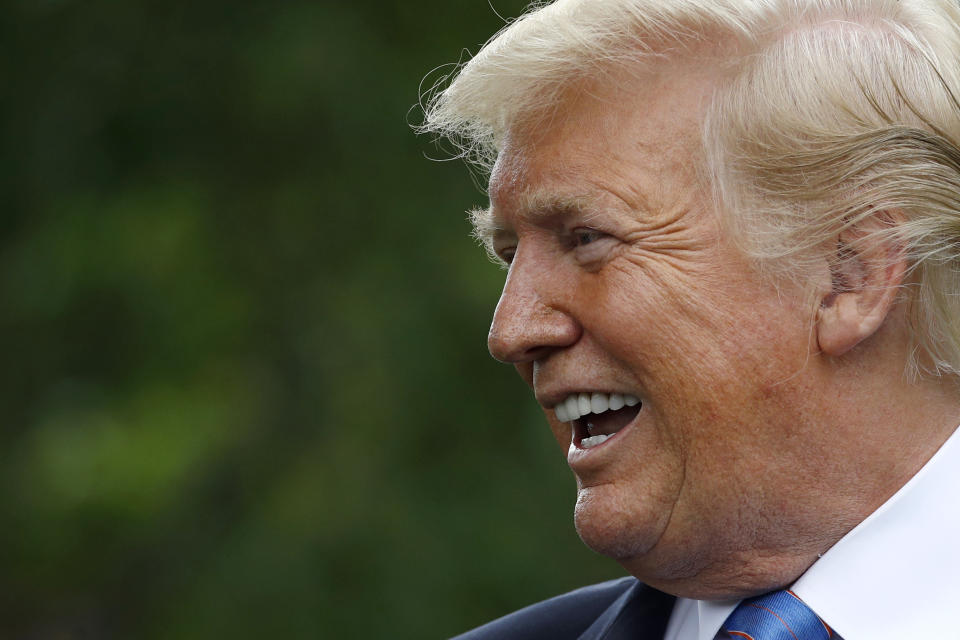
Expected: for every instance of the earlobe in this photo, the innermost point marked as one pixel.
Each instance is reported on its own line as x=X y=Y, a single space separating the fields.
x=866 y=273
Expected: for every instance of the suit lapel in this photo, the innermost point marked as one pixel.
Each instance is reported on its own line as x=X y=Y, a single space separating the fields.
x=641 y=613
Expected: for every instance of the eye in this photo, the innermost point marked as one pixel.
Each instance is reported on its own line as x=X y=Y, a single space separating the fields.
x=590 y=246
x=503 y=246
x=583 y=237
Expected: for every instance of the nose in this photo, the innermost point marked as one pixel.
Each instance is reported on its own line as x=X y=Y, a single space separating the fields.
x=529 y=322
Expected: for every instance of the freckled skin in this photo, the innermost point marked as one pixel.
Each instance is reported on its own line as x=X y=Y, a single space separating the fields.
x=752 y=453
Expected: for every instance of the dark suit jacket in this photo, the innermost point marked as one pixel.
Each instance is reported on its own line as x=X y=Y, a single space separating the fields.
x=616 y=610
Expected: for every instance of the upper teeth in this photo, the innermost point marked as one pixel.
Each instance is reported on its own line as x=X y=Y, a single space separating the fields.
x=580 y=404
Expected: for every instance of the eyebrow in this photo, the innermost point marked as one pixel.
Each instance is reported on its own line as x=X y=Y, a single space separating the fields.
x=484 y=228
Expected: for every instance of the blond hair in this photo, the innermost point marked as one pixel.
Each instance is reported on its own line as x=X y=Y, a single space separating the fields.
x=829 y=111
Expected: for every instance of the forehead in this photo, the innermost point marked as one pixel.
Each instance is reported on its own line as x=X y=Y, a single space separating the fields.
x=633 y=142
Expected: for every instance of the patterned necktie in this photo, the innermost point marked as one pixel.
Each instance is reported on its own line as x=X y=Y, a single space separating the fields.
x=779 y=615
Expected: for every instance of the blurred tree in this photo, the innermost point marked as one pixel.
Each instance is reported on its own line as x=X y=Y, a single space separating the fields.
x=247 y=391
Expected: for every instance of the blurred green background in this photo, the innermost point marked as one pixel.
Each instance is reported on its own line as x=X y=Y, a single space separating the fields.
x=246 y=391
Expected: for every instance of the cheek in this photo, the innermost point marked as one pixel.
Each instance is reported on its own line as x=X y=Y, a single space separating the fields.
x=651 y=325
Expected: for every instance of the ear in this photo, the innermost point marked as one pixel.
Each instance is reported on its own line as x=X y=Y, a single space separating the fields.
x=866 y=271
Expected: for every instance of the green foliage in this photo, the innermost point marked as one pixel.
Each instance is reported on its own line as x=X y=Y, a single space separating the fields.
x=247 y=391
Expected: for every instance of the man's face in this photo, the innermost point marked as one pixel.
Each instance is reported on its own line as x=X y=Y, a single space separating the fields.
x=621 y=282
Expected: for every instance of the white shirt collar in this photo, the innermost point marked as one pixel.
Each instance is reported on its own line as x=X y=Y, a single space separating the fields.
x=893 y=576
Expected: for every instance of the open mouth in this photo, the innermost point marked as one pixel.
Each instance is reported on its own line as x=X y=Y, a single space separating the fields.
x=597 y=416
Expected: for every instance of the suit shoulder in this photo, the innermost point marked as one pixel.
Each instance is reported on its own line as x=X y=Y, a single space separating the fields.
x=560 y=617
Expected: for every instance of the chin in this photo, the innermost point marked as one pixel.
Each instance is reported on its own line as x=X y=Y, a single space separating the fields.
x=696 y=566
x=610 y=529
x=636 y=539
